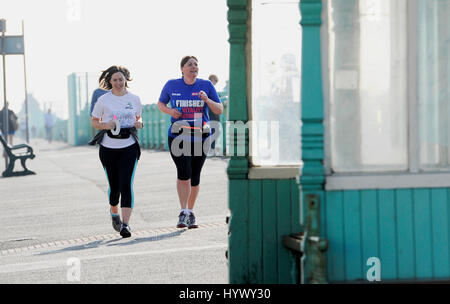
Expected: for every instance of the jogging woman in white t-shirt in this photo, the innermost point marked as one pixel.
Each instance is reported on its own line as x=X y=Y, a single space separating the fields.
x=119 y=150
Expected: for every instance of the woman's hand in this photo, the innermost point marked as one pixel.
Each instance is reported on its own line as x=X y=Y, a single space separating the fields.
x=203 y=96
x=102 y=125
x=166 y=110
x=216 y=107
x=109 y=125
x=138 y=125
x=175 y=114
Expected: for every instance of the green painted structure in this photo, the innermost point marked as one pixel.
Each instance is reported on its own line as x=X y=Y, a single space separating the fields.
x=407 y=229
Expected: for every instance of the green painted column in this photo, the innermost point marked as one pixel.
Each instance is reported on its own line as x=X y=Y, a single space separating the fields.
x=238 y=165
x=312 y=178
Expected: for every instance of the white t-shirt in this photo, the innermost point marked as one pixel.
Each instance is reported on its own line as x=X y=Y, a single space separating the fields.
x=125 y=108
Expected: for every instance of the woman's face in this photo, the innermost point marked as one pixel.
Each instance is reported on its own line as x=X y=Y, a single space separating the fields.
x=118 y=81
x=190 y=69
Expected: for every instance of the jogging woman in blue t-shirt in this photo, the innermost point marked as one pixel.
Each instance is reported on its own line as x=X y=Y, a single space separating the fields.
x=191 y=99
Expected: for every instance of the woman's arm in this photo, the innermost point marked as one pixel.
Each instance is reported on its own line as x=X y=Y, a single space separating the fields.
x=102 y=125
x=138 y=124
x=165 y=109
x=216 y=107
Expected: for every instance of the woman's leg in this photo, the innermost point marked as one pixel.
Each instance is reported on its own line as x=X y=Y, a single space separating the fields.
x=193 y=196
x=184 y=192
x=127 y=167
x=197 y=163
x=182 y=162
x=109 y=160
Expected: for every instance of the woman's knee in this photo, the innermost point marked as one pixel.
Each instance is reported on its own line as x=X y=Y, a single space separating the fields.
x=195 y=180
x=186 y=181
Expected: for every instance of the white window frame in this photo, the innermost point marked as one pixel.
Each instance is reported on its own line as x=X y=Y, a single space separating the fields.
x=259 y=172
x=413 y=177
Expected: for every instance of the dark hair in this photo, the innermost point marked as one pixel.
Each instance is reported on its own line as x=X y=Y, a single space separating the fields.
x=105 y=79
x=186 y=59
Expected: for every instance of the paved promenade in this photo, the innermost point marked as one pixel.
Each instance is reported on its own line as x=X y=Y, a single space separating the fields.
x=56 y=226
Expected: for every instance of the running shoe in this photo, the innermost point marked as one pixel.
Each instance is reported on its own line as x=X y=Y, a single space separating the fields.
x=182 y=220
x=116 y=222
x=125 y=231
x=191 y=221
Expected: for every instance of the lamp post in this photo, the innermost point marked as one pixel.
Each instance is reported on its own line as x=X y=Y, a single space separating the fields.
x=12 y=45
x=5 y=125
x=27 y=136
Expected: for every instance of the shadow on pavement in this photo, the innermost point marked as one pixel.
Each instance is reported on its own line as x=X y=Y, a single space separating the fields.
x=149 y=239
x=97 y=244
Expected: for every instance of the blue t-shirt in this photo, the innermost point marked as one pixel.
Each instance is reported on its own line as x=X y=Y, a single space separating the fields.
x=185 y=98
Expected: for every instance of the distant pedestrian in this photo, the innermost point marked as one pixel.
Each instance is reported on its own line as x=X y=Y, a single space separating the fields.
x=49 y=124
x=13 y=124
x=214 y=118
x=119 y=146
x=191 y=101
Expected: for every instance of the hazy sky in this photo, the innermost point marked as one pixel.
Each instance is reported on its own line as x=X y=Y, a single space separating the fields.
x=147 y=37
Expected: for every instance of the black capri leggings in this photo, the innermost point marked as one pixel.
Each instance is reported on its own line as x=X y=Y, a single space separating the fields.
x=120 y=165
x=188 y=166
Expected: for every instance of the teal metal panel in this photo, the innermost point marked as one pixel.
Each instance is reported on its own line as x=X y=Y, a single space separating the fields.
x=162 y=131
x=285 y=258
x=295 y=216
x=156 y=127
x=153 y=108
x=145 y=129
x=405 y=231
x=440 y=233
x=268 y=217
x=269 y=232
x=387 y=226
x=323 y=211
x=140 y=133
x=166 y=127
x=335 y=235
x=295 y=207
x=255 y=227
x=352 y=235
x=238 y=237
x=369 y=226
x=422 y=235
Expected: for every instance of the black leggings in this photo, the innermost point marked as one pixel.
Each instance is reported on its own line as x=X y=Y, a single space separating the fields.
x=120 y=165
x=188 y=166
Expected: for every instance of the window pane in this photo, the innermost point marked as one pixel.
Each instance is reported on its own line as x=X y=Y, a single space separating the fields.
x=276 y=54
x=368 y=77
x=434 y=82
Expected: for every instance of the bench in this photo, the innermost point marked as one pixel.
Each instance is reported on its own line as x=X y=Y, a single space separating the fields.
x=25 y=152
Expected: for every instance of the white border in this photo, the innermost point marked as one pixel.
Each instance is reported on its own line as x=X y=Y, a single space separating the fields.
x=275 y=172
x=387 y=181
